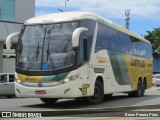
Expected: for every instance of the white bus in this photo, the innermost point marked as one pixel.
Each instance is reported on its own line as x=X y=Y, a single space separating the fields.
x=80 y=55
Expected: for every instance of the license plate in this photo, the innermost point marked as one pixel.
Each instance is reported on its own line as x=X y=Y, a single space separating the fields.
x=40 y=92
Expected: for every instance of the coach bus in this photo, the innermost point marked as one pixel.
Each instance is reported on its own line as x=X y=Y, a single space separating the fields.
x=79 y=55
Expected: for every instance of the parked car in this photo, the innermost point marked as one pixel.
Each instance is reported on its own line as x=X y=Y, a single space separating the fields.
x=156 y=79
x=7 y=84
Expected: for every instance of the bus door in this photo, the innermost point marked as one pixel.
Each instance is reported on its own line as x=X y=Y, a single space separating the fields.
x=110 y=81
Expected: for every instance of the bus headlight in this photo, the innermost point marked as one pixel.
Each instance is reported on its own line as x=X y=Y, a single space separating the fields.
x=17 y=79
x=66 y=80
x=69 y=79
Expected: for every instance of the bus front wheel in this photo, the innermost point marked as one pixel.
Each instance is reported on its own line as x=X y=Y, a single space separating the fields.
x=49 y=100
x=98 y=94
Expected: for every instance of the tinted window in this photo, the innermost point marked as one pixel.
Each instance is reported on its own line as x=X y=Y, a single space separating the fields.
x=141 y=48
x=90 y=24
x=148 y=50
x=11 y=78
x=124 y=45
x=3 y=78
x=112 y=39
x=81 y=51
x=102 y=37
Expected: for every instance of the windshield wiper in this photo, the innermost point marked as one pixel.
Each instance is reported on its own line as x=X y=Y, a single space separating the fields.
x=31 y=61
x=48 y=55
x=37 y=52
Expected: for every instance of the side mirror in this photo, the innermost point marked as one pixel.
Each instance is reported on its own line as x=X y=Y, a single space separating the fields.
x=9 y=38
x=76 y=34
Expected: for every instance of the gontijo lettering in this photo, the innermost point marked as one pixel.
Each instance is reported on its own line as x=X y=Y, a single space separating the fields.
x=136 y=62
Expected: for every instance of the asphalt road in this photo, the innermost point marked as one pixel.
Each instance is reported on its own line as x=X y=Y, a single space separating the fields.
x=152 y=97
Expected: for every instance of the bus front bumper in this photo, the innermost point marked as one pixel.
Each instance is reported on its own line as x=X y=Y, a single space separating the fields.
x=69 y=90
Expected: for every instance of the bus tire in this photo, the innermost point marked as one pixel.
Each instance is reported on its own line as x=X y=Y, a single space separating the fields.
x=139 y=92
x=49 y=100
x=140 y=89
x=98 y=94
x=144 y=87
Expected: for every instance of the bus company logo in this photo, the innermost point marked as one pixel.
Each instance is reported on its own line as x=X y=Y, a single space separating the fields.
x=138 y=63
x=40 y=85
x=6 y=114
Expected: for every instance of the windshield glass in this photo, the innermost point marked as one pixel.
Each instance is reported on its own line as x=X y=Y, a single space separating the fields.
x=46 y=47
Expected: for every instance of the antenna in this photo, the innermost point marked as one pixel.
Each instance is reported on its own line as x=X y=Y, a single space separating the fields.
x=127 y=13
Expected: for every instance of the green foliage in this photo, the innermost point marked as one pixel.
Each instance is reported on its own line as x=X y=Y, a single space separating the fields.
x=154 y=38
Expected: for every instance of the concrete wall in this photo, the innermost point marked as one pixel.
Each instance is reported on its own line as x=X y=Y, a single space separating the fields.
x=24 y=9
x=8 y=65
x=6 y=28
x=1 y=57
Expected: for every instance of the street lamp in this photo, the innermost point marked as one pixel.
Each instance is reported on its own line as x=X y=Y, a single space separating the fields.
x=65 y=4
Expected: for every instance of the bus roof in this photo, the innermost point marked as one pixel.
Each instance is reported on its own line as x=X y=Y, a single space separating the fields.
x=73 y=16
x=61 y=17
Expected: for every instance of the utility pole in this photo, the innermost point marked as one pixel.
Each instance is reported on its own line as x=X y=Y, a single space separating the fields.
x=127 y=13
x=65 y=5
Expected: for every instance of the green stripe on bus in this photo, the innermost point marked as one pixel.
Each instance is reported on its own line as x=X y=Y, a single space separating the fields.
x=55 y=77
x=119 y=67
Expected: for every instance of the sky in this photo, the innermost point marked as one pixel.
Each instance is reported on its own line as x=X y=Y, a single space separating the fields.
x=144 y=14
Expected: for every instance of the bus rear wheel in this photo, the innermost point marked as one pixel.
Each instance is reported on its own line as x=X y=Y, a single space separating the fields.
x=49 y=100
x=98 y=94
x=140 y=90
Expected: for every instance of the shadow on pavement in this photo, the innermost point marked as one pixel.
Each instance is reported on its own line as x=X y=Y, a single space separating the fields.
x=114 y=101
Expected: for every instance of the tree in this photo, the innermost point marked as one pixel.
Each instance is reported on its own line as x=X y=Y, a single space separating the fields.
x=154 y=38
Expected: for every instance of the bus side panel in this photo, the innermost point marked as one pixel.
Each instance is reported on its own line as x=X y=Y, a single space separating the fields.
x=139 y=68
x=115 y=76
x=120 y=71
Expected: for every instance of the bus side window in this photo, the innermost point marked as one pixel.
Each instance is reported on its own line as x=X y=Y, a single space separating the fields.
x=83 y=54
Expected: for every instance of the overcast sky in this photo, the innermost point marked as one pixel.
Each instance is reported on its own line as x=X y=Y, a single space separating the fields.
x=145 y=14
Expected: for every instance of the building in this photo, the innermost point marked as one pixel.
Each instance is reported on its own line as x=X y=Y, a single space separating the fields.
x=16 y=10
x=13 y=13
x=156 y=63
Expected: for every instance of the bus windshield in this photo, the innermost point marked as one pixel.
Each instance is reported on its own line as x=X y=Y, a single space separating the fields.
x=46 y=47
